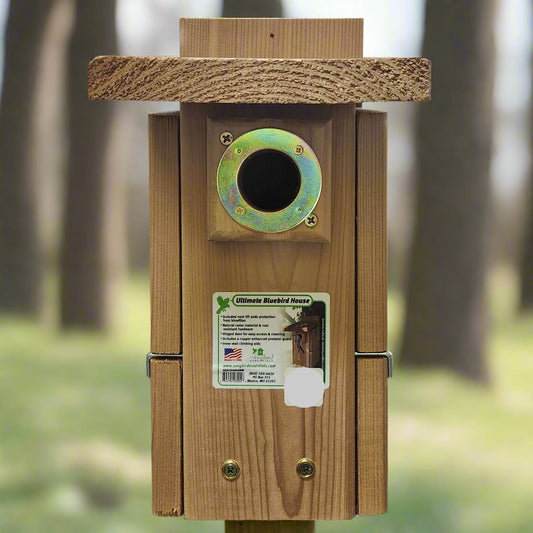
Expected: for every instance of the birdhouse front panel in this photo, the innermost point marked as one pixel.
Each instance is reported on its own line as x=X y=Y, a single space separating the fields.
x=254 y=426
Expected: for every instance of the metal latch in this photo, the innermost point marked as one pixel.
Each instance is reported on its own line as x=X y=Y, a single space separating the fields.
x=388 y=355
x=150 y=356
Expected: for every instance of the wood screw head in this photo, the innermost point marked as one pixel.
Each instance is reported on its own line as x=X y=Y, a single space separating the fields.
x=305 y=468
x=311 y=221
x=298 y=149
x=231 y=469
x=226 y=138
x=239 y=210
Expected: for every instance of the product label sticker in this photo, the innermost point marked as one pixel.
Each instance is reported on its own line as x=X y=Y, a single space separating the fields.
x=258 y=337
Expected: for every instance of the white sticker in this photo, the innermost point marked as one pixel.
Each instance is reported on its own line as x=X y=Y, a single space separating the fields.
x=257 y=336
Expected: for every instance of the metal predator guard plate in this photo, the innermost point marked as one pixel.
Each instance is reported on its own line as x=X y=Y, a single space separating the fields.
x=271 y=139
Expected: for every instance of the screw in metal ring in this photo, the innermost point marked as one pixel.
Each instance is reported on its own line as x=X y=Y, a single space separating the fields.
x=298 y=149
x=226 y=138
x=305 y=468
x=239 y=210
x=311 y=220
x=231 y=469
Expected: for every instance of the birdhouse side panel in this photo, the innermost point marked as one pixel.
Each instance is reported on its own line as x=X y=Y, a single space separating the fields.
x=371 y=302
x=165 y=301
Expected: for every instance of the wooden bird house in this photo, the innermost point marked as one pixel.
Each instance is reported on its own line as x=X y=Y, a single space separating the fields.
x=308 y=336
x=269 y=357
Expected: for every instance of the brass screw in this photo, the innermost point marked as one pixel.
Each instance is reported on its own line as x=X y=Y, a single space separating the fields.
x=305 y=468
x=239 y=210
x=226 y=138
x=298 y=149
x=231 y=469
x=311 y=220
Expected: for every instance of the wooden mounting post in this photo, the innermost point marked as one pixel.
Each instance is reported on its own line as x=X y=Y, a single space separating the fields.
x=291 y=526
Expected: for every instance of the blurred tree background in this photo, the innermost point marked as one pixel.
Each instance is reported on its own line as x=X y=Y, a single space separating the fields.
x=91 y=243
x=74 y=256
x=21 y=267
x=446 y=305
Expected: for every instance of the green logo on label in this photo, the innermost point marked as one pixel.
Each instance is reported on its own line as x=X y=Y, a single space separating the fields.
x=223 y=303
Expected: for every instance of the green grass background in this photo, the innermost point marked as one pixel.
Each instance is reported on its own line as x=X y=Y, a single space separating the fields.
x=75 y=433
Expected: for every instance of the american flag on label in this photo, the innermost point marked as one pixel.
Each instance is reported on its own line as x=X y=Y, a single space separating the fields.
x=232 y=354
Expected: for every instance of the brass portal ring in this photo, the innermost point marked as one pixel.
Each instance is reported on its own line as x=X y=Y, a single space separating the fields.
x=269 y=180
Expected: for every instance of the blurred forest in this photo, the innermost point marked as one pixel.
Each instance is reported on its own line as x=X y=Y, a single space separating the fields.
x=74 y=245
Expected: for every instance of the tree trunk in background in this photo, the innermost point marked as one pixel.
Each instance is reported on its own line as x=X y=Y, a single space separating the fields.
x=21 y=261
x=526 y=267
x=252 y=8
x=89 y=262
x=446 y=309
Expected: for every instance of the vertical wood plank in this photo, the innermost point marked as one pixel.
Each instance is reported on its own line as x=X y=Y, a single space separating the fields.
x=166 y=437
x=371 y=231
x=372 y=435
x=272 y=38
x=255 y=426
x=165 y=289
x=289 y=526
x=165 y=239
x=371 y=311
